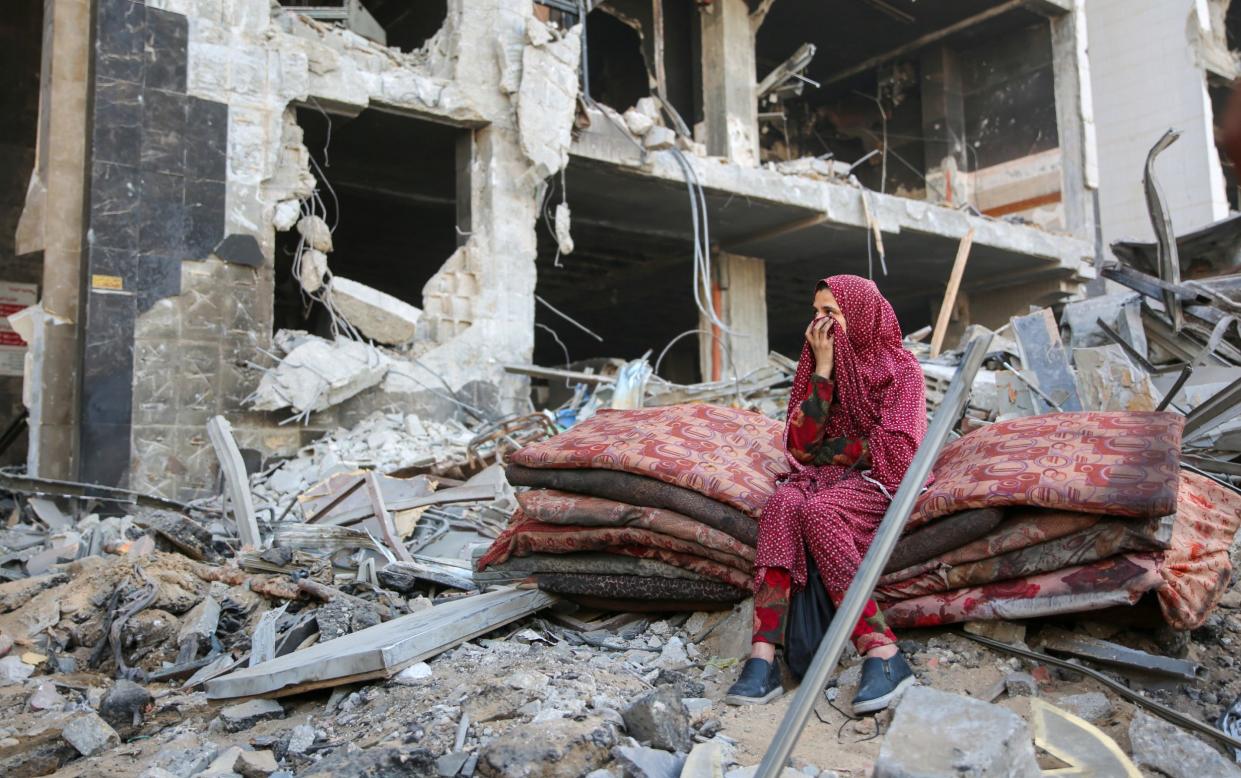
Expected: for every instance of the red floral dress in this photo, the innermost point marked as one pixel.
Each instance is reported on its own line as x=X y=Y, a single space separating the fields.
x=808 y=444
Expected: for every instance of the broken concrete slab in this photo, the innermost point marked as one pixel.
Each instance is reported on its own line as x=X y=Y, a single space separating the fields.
x=659 y=720
x=90 y=734
x=318 y=374
x=705 y=761
x=13 y=670
x=236 y=718
x=935 y=733
x=1169 y=749
x=377 y=315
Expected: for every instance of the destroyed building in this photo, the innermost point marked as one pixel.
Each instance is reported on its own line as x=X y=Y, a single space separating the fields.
x=172 y=154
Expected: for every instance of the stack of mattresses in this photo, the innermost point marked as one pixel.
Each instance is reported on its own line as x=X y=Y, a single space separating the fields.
x=1063 y=513
x=649 y=509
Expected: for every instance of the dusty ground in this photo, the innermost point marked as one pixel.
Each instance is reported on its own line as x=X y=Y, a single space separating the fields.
x=532 y=677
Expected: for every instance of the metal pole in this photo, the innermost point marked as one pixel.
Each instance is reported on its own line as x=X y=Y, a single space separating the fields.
x=850 y=610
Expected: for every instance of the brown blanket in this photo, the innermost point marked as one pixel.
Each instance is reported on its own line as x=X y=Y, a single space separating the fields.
x=640 y=490
x=942 y=536
x=553 y=507
x=632 y=587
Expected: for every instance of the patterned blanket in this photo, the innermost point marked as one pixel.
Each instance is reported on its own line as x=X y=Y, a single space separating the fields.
x=1114 y=463
x=725 y=454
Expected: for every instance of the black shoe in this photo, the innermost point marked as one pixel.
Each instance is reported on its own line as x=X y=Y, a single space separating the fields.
x=758 y=684
x=882 y=681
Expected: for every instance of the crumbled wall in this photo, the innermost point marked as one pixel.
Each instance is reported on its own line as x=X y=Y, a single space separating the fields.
x=191 y=349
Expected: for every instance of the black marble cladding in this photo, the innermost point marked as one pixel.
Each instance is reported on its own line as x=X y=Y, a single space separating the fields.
x=157 y=188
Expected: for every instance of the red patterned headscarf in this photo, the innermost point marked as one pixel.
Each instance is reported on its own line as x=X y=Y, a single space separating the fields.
x=879 y=385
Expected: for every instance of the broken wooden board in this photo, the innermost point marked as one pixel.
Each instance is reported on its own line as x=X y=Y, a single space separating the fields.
x=236 y=481
x=384 y=649
x=1045 y=361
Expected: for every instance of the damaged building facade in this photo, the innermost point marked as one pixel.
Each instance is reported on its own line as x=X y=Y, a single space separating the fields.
x=549 y=182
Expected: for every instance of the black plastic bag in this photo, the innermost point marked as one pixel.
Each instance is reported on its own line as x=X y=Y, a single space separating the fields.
x=810 y=614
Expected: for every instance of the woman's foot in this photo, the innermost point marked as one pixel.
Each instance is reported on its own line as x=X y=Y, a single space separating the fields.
x=758 y=684
x=882 y=681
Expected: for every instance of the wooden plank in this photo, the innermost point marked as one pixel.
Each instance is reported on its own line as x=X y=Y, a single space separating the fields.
x=391 y=537
x=950 y=294
x=1045 y=359
x=382 y=650
x=236 y=481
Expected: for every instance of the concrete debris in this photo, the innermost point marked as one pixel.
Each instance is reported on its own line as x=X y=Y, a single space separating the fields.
x=255 y=764
x=286 y=214
x=319 y=374
x=1167 y=748
x=638 y=122
x=1092 y=707
x=13 y=669
x=563 y=748
x=125 y=704
x=564 y=239
x=643 y=762
x=659 y=720
x=377 y=315
x=45 y=697
x=547 y=98
x=935 y=733
x=316 y=233
x=415 y=673
x=313 y=270
x=89 y=734
x=659 y=139
x=236 y=718
x=706 y=760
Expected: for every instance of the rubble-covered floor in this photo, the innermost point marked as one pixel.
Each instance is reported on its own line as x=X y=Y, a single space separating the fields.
x=536 y=697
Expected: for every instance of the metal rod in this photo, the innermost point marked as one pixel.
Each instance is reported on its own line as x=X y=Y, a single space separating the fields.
x=850 y=610
x=1186 y=372
x=1163 y=711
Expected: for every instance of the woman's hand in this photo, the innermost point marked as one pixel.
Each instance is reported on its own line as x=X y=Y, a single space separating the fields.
x=822 y=345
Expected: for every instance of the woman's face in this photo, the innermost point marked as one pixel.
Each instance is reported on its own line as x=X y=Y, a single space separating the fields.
x=825 y=305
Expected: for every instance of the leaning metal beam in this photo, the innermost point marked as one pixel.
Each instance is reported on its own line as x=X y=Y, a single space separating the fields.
x=876 y=559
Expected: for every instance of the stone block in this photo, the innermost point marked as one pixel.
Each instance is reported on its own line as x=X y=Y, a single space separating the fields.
x=936 y=734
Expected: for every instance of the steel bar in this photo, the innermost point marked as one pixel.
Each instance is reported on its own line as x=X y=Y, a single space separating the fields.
x=1163 y=711
x=1221 y=407
x=876 y=559
x=1161 y=222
